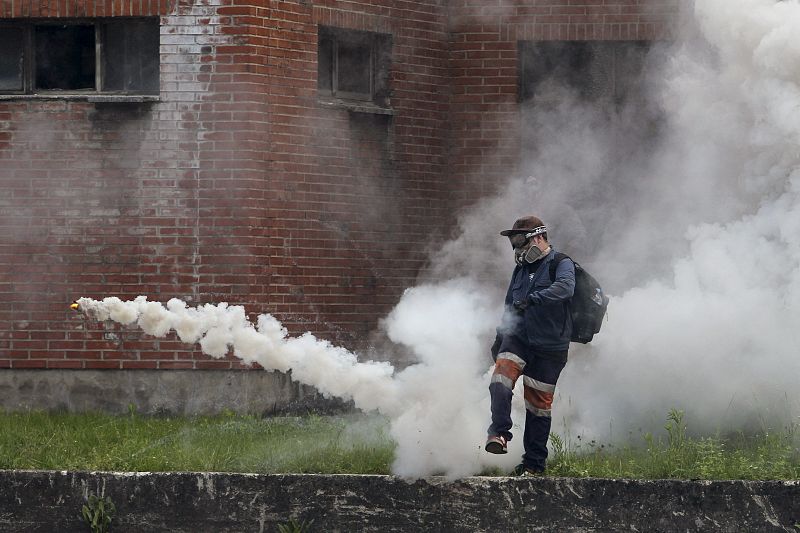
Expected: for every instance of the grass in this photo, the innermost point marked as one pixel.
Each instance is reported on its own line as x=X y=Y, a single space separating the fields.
x=228 y=443
x=355 y=445
x=765 y=455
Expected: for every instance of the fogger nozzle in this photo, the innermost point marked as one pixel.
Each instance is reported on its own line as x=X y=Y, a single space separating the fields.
x=75 y=307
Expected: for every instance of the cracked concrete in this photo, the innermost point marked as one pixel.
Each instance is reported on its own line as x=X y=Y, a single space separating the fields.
x=219 y=502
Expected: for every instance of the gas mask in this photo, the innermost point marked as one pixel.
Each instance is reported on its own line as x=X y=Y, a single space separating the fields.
x=525 y=250
x=527 y=254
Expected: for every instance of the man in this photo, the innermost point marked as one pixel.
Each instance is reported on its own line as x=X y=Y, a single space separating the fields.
x=532 y=342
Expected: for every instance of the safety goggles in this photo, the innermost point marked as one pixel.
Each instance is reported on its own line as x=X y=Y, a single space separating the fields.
x=518 y=240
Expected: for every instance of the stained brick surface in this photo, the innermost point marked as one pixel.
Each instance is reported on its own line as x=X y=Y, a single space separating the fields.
x=239 y=185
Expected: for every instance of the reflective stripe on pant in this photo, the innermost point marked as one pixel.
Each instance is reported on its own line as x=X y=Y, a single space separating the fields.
x=538 y=396
x=541 y=375
x=507 y=369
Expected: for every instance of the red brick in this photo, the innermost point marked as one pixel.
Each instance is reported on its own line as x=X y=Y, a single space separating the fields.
x=212 y=365
x=102 y=365
x=64 y=364
x=176 y=365
x=139 y=365
x=28 y=363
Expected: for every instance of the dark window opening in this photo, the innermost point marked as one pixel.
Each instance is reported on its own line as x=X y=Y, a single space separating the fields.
x=12 y=44
x=130 y=61
x=104 y=56
x=354 y=65
x=595 y=70
x=65 y=58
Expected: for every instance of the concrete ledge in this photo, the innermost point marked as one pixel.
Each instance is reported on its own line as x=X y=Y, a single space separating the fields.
x=88 y=97
x=195 y=502
x=163 y=392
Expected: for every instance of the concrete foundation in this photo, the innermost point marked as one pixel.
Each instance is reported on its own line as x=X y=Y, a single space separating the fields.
x=176 y=392
x=198 y=502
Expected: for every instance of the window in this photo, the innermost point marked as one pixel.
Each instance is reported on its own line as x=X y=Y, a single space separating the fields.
x=87 y=56
x=594 y=69
x=354 y=65
x=12 y=44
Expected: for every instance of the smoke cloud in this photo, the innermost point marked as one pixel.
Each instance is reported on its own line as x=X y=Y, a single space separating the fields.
x=694 y=227
x=693 y=230
x=711 y=334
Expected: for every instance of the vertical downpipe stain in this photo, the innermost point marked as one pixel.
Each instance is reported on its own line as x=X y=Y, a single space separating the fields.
x=194 y=47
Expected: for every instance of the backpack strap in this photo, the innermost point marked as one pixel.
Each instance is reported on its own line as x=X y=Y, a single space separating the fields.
x=554 y=264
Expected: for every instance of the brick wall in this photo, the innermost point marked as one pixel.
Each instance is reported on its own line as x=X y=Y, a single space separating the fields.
x=84 y=8
x=366 y=188
x=236 y=186
x=239 y=185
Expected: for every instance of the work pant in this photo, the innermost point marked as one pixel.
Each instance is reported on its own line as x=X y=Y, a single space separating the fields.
x=539 y=371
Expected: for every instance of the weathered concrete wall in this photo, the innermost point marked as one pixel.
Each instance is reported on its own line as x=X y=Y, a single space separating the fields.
x=176 y=502
x=180 y=392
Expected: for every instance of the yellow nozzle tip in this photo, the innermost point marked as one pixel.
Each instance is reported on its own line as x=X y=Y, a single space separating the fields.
x=75 y=306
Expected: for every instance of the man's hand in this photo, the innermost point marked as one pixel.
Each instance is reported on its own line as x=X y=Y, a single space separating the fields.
x=522 y=305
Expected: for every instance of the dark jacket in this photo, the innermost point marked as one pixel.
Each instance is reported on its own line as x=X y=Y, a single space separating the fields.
x=545 y=323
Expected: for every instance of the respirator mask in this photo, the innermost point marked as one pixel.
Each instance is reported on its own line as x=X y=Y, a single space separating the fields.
x=525 y=250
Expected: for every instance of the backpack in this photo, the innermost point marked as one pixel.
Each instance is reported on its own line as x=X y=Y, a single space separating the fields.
x=587 y=305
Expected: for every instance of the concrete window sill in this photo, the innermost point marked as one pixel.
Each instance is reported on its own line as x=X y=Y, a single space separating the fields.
x=355 y=106
x=95 y=98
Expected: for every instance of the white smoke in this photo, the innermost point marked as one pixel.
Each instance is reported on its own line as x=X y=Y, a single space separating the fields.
x=220 y=328
x=694 y=231
x=432 y=405
x=698 y=236
x=715 y=336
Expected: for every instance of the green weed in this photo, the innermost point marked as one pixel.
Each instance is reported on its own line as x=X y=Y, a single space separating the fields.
x=98 y=512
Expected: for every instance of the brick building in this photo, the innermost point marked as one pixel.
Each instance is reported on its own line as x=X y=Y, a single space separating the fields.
x=295 y=157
